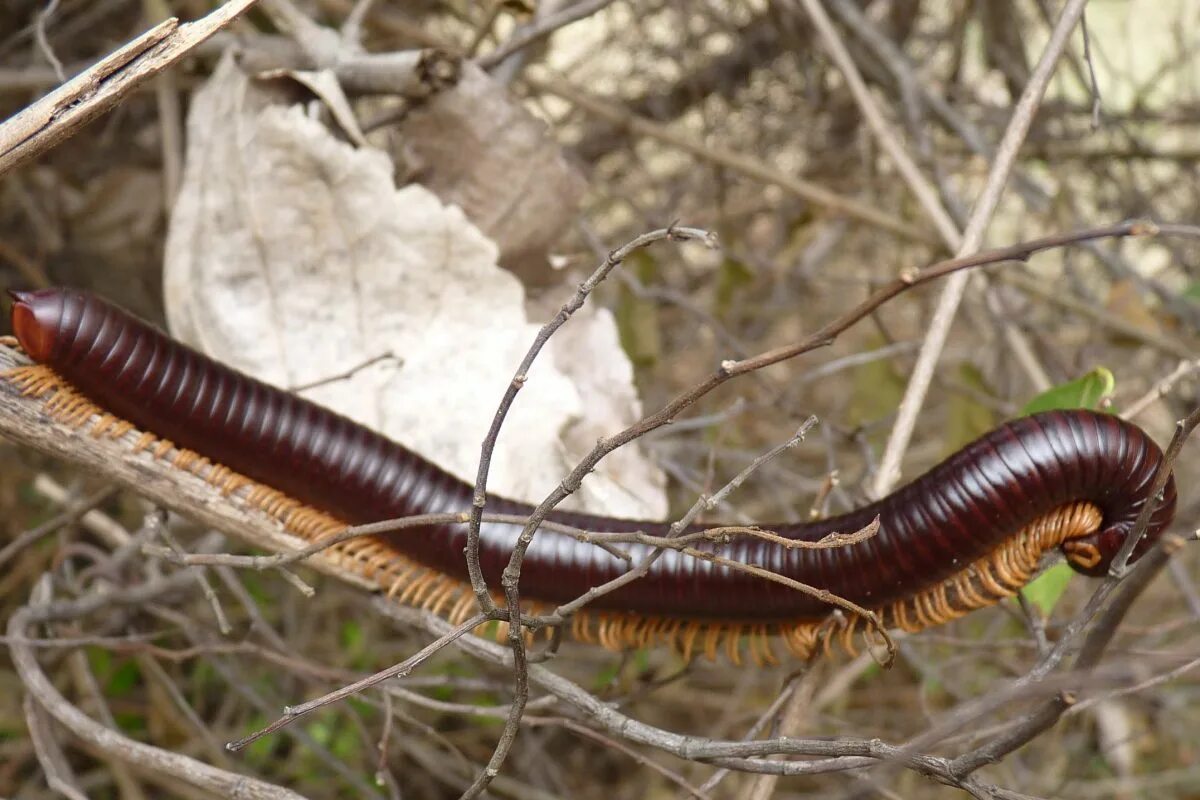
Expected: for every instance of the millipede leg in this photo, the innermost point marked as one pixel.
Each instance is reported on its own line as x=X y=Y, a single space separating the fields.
x=733 y=645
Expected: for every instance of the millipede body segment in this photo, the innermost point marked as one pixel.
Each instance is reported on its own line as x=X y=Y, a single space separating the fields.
x=963 y=535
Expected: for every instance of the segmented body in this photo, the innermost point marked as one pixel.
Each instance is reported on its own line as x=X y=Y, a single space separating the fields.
x=960 y=513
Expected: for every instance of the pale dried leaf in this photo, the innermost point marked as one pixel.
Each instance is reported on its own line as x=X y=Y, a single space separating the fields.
x=582 y=350
x=324 y=84
x=293 y=256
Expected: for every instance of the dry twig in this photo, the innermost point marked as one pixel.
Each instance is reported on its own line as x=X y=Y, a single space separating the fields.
x=63 y=112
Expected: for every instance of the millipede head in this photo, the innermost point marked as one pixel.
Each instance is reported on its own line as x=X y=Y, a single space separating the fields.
x=1093 y=554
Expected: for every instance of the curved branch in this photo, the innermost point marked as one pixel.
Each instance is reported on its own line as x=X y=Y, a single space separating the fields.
x=221 y=782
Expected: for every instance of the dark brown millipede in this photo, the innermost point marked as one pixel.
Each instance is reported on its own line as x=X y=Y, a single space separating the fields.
x=965 y=534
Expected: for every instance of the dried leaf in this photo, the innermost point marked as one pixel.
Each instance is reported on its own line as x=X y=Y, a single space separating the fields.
x=293 y=256
x=476 y=147
x=324 y=84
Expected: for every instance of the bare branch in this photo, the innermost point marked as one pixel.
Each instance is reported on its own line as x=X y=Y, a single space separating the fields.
x=746 y=165
x=60 y=114
x=116 y=744
x=985 y=207
x=530 y=34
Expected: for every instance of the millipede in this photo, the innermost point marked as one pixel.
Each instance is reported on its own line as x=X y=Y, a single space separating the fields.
x=964 y=535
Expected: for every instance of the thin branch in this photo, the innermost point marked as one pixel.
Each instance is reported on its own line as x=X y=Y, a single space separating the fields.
x=531 y=34
x=196 y=773
x=156 y=523
x=921 y=188
x=603 y=540
x=831 y=755
x=59 y=775
x=292 y=713
x=1049 y=712
x=1166 y=468
x=479 y=497
x=104 y=527
x=723 y=534
x=985 y=207
x=75 y=509
x=924 y=191
x=409 y=74
x=484 y=29
x=512 y=572
x=63 y=112
x=1111 y=321
x=43 y=42
x=22 y=419
x=737 y=162
x=614 y=744
x=346 y=374
x=825 y=336
x=793 y=714
x=1161 y=389
x=1127 y=584
x=1094 y=85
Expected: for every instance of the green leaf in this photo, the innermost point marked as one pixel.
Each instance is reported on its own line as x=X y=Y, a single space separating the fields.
x=124 y=678
x=1192 y=292
x=1088 y=391
x=353 y=638
x=1047 y=589
x=606 y=675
